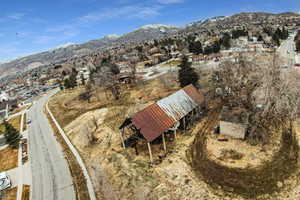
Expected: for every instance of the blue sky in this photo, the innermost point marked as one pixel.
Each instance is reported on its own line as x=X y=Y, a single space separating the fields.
x=30 y=26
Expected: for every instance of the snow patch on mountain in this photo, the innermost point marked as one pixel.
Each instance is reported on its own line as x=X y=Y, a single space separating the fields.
x=205 y=21
x=64 y=45
x=112 y=36
x=156 y=26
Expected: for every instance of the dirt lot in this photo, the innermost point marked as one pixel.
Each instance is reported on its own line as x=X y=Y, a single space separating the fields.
x=240 y=154
x=8 y=159
x=9 y=194
x=66 y=106
x=121 y=174
x=15 y=122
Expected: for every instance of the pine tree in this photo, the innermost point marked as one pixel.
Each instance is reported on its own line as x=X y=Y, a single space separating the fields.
x=260 y=38
x=216 y=47
x=278 y=33
x=275 y=38
x=298 y=45
x=225 y=41
x=12 y=136
x=186 y=74
x=61 y=86
x=196 y=47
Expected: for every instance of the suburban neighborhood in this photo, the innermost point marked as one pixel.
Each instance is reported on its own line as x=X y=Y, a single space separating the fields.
x=208 y=110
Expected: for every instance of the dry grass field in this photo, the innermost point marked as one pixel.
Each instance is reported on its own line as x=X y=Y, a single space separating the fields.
x=15 y=122
x=10 y=194
x=8 y=159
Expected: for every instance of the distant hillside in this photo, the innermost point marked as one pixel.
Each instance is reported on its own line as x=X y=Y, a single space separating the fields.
x=147 y=32
x=70 y=50
x=242 y=18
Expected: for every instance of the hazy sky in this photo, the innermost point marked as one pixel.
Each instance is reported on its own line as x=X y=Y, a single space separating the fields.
x=30 y=26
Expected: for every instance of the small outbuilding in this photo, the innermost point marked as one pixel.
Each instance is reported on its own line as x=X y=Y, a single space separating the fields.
x=233 y=122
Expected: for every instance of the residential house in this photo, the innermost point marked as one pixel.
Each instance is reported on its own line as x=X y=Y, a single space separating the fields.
x=3 y=96
x=83 y=76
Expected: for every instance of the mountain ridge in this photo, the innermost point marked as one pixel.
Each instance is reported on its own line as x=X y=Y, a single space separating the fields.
x=143 y=33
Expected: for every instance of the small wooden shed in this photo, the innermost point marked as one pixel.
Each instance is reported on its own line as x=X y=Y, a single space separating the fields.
x=234 y=122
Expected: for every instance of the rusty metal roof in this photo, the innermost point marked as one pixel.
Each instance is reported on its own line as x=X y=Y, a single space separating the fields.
x=152 y=122
x=197 y=96
x=161 y=116
x=177 y=105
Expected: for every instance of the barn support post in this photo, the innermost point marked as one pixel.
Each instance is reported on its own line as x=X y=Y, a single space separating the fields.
x=193 y=115
x=164 y=142
x=184 y=124
x=150 y=153
x=121 y=135
x=197 y=112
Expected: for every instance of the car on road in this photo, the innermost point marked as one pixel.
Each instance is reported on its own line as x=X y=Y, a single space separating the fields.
x=28 y=121
x=4 y=181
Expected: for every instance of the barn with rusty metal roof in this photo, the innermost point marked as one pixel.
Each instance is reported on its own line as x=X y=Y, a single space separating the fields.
x=164 y=115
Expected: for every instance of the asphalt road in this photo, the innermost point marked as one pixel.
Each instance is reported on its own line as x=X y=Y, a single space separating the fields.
x=51 y=177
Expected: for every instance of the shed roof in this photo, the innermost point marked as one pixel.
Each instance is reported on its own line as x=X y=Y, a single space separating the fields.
x=161 y=116
x=177 y=105
x=197 y=96
x=152 y=122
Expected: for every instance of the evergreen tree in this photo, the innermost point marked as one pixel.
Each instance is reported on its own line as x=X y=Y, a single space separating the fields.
x=225 y=41
x=238 y=33
x=260 y=38
x=278 y=33
x=208 y=50
x=71 y=81
x=216 y=47
x=275 y=38
x=186 y=74
x=67 y=83
x=61 y=87
x=12 y=136
x=285 y=33
x=195 y=47
x=268 y=31
x=298 y=46
x=82 y=79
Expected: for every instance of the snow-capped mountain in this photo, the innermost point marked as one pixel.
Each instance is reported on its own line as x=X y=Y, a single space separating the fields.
x=205 y=21
x=156 y=26
x=112 y=36
x=64 y=45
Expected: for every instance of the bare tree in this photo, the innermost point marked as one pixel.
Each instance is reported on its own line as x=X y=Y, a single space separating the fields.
x=270 y=96
x=87 y=94
x=132 y=66
x=106 y=78
x=169 y=80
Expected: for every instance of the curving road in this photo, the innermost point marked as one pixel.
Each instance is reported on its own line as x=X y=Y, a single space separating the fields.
x=51 y=177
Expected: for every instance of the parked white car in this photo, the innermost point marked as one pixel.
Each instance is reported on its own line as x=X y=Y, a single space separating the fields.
x=4 y=181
